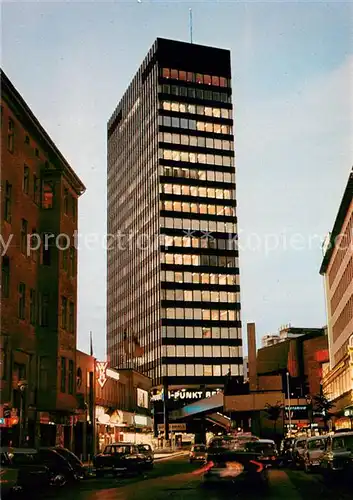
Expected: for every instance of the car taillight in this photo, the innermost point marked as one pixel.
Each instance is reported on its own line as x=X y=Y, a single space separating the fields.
x=204 y=469
x=209 y=466
x=259 y=465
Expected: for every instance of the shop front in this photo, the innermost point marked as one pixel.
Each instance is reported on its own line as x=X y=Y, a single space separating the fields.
x=117 y=425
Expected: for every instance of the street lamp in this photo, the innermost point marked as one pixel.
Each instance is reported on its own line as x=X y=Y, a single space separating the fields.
x=289 y=406
x=309 y=402
x=22 y=386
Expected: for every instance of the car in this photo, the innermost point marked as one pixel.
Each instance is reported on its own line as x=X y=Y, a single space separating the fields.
x=298 y=452
x=266 y=450
x=227 y=465
x=62 y=472
x=146 y=450
x=313 y=453
x=119 y=458
x=197 y=453
x=337 y=459
x=78 y=467
x=21 y=472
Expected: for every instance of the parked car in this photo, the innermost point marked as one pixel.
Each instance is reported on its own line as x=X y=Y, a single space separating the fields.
x=60 y=468
x=337 y=459
x=197 y=453
x=146 y=450
x=21 y=472
x=225 y=464
x=314 y=451
x=119 y=458
x=298 y=452
x=78 y=467
x=266 y=450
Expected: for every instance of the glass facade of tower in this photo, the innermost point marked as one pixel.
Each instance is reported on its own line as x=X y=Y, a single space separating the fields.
x=173 y=270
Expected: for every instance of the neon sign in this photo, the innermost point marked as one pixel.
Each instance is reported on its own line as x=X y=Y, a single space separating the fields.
x=101 y=368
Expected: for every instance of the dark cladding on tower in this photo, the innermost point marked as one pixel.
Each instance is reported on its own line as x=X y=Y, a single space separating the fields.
x=173 y=270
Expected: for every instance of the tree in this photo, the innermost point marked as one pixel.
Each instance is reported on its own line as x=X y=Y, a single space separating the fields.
x=323 y=406
x=273 y=414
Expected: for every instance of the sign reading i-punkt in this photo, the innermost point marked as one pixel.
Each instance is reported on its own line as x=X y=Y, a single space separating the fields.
x=186 y=394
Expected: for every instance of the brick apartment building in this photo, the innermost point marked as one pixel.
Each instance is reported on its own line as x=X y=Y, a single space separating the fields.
x=337 y=270
x=39 y=193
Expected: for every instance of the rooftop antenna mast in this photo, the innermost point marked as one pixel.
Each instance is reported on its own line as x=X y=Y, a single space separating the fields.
x=190 y=24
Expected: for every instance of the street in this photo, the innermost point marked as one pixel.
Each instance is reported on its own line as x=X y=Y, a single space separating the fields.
x=178 y=480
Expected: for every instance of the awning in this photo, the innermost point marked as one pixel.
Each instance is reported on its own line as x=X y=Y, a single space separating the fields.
x=219 y=419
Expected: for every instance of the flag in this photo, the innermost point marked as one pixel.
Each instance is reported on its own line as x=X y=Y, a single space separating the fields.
x=90 y=344
x=138 y=350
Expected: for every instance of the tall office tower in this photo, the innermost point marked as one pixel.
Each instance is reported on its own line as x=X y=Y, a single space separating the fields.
x=173 y=272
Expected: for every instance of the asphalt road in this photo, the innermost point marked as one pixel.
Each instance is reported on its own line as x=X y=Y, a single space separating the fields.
x=176 y=479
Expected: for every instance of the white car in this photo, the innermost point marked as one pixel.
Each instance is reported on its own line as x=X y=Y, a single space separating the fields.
x=314 y=451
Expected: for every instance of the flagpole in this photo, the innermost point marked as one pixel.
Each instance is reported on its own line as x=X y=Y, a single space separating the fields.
x=91 y=343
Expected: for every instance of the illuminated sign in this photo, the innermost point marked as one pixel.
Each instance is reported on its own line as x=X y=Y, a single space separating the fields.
x=101 y=368
x=112 y=374
x=142 y=398
x=140 y=420
x=186 y=394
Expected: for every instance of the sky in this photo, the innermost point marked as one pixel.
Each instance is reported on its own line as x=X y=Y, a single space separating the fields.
x=292 y=75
